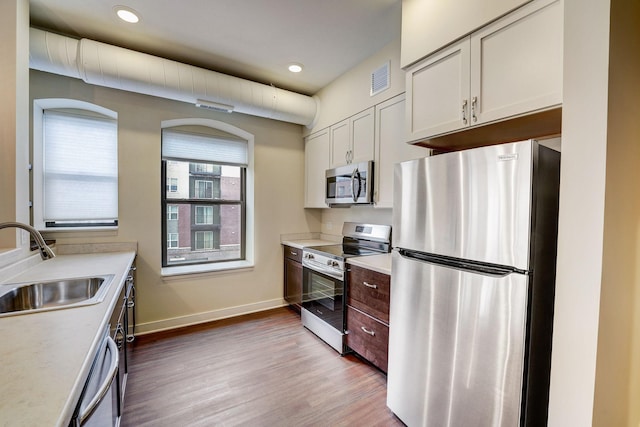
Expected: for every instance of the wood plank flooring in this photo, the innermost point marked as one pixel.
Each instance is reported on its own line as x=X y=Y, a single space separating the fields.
x=261 y=369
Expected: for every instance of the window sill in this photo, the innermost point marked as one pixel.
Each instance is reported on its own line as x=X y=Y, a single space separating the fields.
x=169 y=272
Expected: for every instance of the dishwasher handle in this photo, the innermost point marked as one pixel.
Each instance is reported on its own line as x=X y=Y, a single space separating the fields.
x=106 y=383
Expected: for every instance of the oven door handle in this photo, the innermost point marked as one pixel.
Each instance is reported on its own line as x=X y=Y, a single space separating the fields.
x=321 y=268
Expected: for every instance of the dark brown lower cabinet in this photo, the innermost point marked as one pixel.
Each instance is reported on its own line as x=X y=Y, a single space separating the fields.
x=368 y=294
x=293 y=276
x=368 y=337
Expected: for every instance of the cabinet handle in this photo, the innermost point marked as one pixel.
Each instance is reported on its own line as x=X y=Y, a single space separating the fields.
x=369 y=285
x=294 y=253
x=474 y=103
x=464 y=111
x=366 y=331
x=346 y=157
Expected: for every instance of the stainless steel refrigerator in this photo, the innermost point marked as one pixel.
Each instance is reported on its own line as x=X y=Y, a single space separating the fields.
x=472 y=286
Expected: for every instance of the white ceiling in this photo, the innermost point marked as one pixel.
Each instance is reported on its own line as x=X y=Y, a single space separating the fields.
x=251 y=39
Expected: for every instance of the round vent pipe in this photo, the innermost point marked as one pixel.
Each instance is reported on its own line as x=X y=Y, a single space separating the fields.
x=102 y=64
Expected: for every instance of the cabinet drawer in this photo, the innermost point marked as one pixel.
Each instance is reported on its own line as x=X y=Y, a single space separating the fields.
x=292 y=253
x=369 y=292
x=368 y=337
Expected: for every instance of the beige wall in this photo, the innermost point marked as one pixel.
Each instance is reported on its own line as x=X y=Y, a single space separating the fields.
x=617 y=385
x=279 y=190
x=332 y=219
x=349 y=94
x=596 y=348
x=14 y=118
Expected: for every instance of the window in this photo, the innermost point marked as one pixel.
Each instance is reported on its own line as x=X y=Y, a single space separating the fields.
x=204 y=240
x=210 y=210
x=172 y=185
x=172 y=240
x=75 y=165
x=172 y=212
x=203 y=189
x=204 y=215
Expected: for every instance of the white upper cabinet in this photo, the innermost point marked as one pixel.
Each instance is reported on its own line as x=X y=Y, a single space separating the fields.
x=316 y=162
x=438 y=92
x=340 y=143
x=517 y=62
x=352 y=140
x=509 y=68
x=391 y=148
x=428 y=25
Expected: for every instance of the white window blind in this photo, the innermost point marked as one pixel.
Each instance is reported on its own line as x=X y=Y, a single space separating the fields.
x=188 y=146
x=80 y=170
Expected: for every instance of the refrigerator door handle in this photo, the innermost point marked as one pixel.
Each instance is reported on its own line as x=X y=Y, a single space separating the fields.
x=467 y=265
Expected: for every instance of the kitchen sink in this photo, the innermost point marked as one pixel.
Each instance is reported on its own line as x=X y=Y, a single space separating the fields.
x=29 y=297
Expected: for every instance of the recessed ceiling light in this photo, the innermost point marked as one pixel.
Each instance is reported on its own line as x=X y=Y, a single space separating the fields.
x=127 y=14
x=295 y=68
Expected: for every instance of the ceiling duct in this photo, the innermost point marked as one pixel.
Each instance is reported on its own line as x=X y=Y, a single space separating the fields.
x=110 y=66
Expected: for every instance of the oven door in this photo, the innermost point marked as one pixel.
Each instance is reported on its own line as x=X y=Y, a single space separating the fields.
x=323 y=296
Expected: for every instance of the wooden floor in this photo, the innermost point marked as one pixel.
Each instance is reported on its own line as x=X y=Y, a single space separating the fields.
x=262 y=369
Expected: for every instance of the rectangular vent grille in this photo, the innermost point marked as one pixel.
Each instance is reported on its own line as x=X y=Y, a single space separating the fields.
x=380 y=79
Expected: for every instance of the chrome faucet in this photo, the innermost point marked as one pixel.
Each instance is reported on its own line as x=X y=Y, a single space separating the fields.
x=45 y=251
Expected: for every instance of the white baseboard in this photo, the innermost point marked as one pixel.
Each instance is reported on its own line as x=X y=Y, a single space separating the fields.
x=208 y=316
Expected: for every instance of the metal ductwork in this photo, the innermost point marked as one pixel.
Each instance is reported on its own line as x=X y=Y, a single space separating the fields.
x=110 y=66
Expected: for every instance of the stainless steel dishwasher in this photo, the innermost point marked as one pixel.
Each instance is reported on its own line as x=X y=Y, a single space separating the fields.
x=98 y=405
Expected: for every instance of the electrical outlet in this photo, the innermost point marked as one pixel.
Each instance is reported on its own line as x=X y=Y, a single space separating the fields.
x=24 y=237
x=328 y=225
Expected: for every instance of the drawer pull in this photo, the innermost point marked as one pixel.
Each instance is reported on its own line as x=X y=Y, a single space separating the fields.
x=369 y=285
x=294 y=253
x=366 y=331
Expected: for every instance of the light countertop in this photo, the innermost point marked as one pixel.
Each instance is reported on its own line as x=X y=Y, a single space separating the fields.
x=380 y=263
x=45 y=357
x=301 y=244
x=303 y=240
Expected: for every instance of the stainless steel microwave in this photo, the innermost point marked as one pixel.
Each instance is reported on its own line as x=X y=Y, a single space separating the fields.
x=349 y=185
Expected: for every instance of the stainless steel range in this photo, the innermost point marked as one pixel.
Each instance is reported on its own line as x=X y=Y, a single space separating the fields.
x=324 y=278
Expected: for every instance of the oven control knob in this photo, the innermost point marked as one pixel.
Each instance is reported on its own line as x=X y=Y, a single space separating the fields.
x=308 y=256
x=333 y=263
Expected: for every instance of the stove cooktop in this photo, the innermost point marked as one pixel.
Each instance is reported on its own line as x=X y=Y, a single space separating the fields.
x=341 y=251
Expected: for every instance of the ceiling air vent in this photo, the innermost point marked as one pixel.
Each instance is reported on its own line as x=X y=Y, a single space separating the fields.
x=380 y=79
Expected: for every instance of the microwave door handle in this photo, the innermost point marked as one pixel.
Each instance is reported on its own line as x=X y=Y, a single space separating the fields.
x=356 y=177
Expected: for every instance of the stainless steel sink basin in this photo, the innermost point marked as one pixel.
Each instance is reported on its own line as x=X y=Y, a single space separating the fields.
x=29 y=297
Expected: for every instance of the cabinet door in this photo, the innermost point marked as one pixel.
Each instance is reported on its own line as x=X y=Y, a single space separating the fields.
x=362 y=136
x=292 y=282
x=369 y=292
x=438 y=93
x=429 y=25
x=316 y=162
x=391 y=148
x=368 y=337
x=516 y=62
x=340 y=144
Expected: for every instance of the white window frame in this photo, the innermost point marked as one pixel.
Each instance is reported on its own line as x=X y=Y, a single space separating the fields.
x=39 y=107
x=170 y=240
x=170 y=185
x=171 y=210
x=249 y=261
